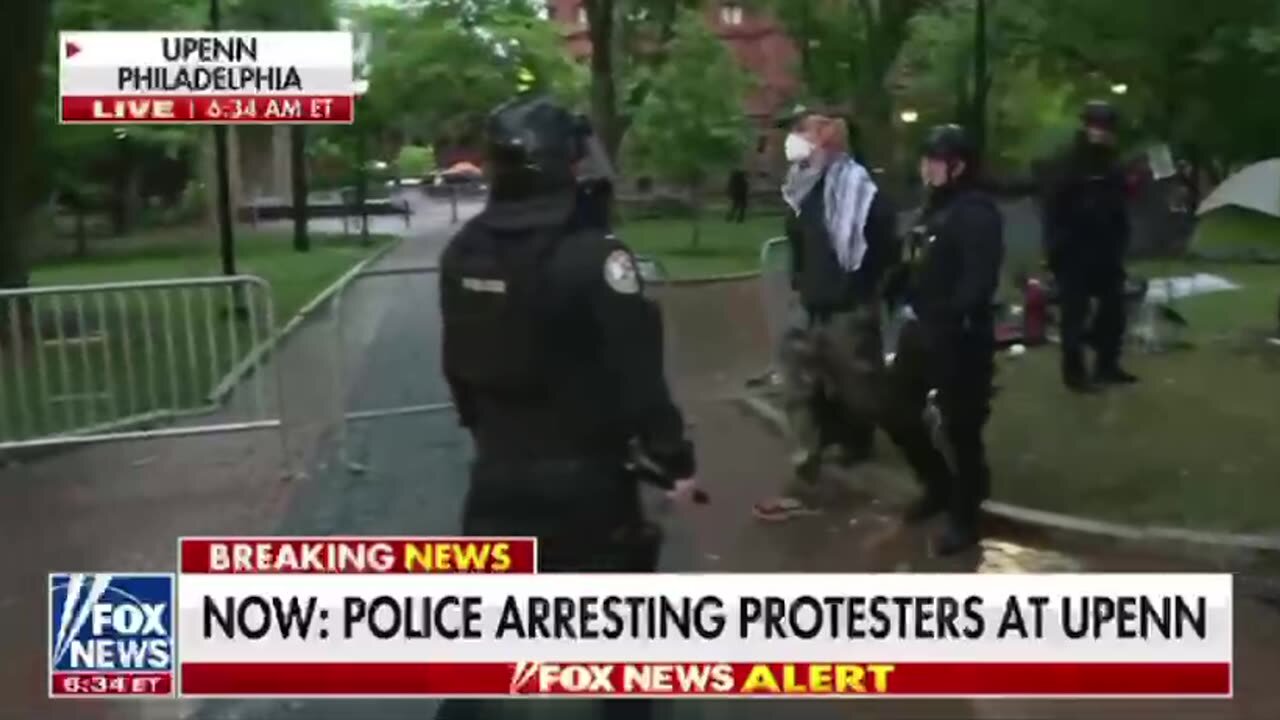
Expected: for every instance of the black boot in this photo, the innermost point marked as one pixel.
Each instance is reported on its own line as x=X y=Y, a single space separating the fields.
x=1114 y=375
x=1076 y=379
x=927 y=507
x=1079 y=385
x=958 y=536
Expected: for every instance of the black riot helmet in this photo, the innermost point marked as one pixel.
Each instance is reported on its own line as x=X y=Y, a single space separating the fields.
x=1100 y=114
x=534 y=145
x=950 y=143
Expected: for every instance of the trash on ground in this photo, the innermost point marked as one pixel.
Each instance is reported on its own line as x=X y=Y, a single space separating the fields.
x=1161 y=289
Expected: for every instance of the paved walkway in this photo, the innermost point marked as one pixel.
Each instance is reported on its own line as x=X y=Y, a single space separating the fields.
x=129 y=515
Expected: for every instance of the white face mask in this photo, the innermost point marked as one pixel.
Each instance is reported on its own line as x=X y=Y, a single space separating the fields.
x=798 y=149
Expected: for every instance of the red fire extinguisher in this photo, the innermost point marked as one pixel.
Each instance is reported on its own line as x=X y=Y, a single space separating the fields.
x=1035 y=311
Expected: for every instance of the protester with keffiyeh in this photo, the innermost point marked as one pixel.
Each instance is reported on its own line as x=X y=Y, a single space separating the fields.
x=843 y=236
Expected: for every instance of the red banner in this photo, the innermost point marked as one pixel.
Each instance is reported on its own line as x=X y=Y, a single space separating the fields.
x=209 y=109
x=337 y=555
x=70 y=684
x=710 y=679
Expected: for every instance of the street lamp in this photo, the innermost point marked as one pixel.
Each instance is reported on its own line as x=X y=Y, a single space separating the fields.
x=1119 y=88
x=361 y=88
x=909 y=116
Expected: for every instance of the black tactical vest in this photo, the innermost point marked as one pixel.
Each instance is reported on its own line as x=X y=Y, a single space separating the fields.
x=493 y=308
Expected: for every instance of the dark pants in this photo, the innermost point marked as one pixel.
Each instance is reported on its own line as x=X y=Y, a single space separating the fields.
x=738 y=209
x=587 y=517
x=831 y=371
x=1077 y=292
x=961 y=368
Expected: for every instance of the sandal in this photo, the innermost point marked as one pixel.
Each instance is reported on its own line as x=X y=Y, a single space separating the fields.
x=781 y=509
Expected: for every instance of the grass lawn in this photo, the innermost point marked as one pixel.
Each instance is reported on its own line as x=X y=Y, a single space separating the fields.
x=129 y=354
x=722 y=248
x=1197 y=443
x=294 y=277
x=1235 y=230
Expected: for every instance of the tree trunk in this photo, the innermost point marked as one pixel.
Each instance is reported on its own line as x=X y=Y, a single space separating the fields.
x=875 y=117
x=25 y=32
x=604 y=91
x=298 y=175
x=82 y=233
x=695 y=205
x=886 y=29
x=120 y=198
x=981 y=81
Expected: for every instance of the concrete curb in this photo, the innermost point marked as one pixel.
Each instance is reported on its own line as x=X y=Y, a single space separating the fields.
x=1165 y=537
x=259 y=353
x=710 y=279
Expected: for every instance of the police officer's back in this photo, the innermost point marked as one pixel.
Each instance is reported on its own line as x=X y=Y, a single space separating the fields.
x=554 y=357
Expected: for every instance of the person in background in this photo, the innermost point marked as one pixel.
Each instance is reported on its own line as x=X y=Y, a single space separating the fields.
x=739 y=193
x=1087 y=234
x=940 y=380
x=842 y=233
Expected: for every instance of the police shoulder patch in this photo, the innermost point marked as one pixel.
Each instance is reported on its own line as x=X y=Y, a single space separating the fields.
x=621 y=274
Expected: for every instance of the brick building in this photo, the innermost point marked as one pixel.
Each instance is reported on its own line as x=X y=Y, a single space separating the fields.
x=760 y=45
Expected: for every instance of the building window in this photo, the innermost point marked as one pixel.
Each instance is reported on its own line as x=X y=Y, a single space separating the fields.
x=582 y=14
x=730 y=14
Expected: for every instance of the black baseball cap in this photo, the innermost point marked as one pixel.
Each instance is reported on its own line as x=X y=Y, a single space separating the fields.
x=795 y=113
x=1100 y=114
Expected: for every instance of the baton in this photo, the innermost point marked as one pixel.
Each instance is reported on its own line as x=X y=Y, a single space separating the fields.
x=937 y=424
x=644 y=466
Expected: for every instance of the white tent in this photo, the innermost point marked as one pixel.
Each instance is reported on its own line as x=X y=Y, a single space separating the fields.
x=1256 y=188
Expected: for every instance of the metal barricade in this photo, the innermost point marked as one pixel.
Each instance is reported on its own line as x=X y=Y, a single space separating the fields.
x=781 y=307
x=137 y=360
x=384 y=324
x=394 y=337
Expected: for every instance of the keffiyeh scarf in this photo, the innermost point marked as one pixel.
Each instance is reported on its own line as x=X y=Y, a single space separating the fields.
x=849 y=191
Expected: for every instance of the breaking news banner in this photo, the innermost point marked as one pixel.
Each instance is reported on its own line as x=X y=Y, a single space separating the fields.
x=124 y=78
x=470 y=617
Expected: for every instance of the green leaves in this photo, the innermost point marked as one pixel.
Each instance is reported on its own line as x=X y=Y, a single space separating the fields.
x=415 y=161
x=690 y=126
x=1192 y=69
x=441 y=67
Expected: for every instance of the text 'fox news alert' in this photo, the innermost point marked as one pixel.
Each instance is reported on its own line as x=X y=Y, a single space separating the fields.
x=261 y=617
x=124 y=78
x=111 y=634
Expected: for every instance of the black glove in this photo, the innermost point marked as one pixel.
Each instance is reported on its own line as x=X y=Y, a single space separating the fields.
x=662 y=464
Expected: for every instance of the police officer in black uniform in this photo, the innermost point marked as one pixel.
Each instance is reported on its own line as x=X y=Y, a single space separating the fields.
x=940 y=380
x=555 y=361
x=1087 y=225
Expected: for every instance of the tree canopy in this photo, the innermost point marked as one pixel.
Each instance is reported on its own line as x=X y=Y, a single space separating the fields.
x=690 y=127
x=1187 y=70
x=441 y=67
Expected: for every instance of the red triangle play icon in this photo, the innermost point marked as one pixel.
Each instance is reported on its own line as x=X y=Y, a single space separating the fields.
x=72 y=49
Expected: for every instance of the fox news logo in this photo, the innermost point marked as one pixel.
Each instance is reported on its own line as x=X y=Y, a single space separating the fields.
x=105 y=623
